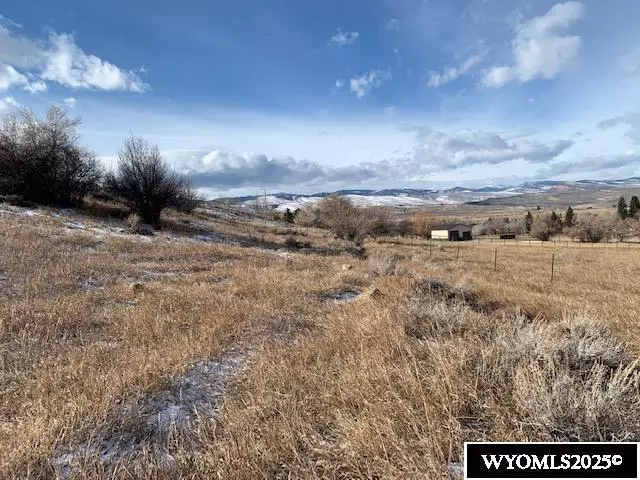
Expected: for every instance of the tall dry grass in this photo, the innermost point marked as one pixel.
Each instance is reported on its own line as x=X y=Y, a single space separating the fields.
x=434 y=351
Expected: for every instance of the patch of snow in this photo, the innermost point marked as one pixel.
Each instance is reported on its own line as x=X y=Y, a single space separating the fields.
x=76 y=225
x=196 y=395
x=456 y=470
x=343 y=296
x=213 y=237
x=286 y=255
x=90 y=284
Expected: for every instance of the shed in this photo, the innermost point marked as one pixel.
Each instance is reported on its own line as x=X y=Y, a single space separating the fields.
x=507 y=236
x=453 y=232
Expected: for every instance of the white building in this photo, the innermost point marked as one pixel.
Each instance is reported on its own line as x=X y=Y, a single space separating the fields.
x=453 y=232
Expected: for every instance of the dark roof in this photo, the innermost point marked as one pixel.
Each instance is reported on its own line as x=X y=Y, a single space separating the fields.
x=449 y=226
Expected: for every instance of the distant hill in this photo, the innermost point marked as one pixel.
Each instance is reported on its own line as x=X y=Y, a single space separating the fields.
x=582 y=190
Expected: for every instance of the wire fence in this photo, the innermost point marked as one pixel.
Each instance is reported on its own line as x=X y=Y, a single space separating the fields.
x=496 y=255
x=520 y=242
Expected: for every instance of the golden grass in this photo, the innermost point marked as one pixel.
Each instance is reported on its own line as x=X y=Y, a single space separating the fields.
x=387 y=385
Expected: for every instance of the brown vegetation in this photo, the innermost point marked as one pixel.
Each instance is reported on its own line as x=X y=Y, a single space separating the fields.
x=296 y=366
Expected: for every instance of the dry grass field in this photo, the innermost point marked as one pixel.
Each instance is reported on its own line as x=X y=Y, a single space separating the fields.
x=209 y=351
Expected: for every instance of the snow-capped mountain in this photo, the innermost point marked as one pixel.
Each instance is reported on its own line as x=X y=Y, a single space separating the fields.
x=416 y=197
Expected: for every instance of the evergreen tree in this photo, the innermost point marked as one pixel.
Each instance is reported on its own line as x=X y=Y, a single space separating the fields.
x=556 y=222
x=528 y=221
x=289 y=216
x=569 y=217
x=634 y=207
x=622 y=208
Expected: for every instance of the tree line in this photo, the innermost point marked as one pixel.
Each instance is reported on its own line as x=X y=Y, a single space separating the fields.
x=43 y=162
x=586 y=227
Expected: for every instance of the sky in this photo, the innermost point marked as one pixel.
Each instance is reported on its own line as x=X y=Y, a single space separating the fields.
x=251 y=96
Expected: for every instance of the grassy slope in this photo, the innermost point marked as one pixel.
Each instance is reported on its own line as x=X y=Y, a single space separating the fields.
x=388 y=385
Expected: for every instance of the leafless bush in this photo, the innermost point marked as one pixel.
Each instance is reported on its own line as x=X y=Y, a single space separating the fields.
x=307 y=217
x=348 y=221
x=499 y=226
x=187 y=198
x=421 y=224
x=42 y=161
x=145 y=182
x=590 y=228
x=545 y=226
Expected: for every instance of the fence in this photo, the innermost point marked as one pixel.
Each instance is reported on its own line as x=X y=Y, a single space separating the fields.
x=489 y=253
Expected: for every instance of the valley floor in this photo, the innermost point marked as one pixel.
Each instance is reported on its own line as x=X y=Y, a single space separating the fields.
x=211 y=351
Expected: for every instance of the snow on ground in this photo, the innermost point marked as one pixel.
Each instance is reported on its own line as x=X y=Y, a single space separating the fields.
x=453 y=198
x=195 y=396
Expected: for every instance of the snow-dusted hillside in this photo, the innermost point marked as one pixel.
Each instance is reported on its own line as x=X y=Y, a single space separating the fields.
x=418 y=197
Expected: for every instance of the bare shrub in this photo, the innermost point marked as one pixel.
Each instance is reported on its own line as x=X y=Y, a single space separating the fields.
x=145 y=182
x=591 y=228
x=499 y=226
x=422 y=223
x=348 y=221
x=388 y=264
x=307 y=217
x=42 y=161
x=187 y=198
x=544 y=227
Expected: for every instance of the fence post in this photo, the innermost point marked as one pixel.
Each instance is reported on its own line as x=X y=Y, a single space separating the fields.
x=553 y=261
x=430 y=246
x=495 y=260
x=458 y=253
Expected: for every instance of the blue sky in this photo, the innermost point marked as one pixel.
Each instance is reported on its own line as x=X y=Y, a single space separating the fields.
x=251 y=95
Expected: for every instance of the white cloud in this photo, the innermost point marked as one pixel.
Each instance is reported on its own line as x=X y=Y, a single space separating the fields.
x=437 y=79
x=362 y=85
x=70 y=102
x=10 y=77
x=7 y=103
x=222 y=169
x=392 y=25
x=436 y=151
x=540 y=48
x=341 y=38
x=68 y=65
x=57 y=59
x=36 y=87
x=340 y=83
x=16 y=49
